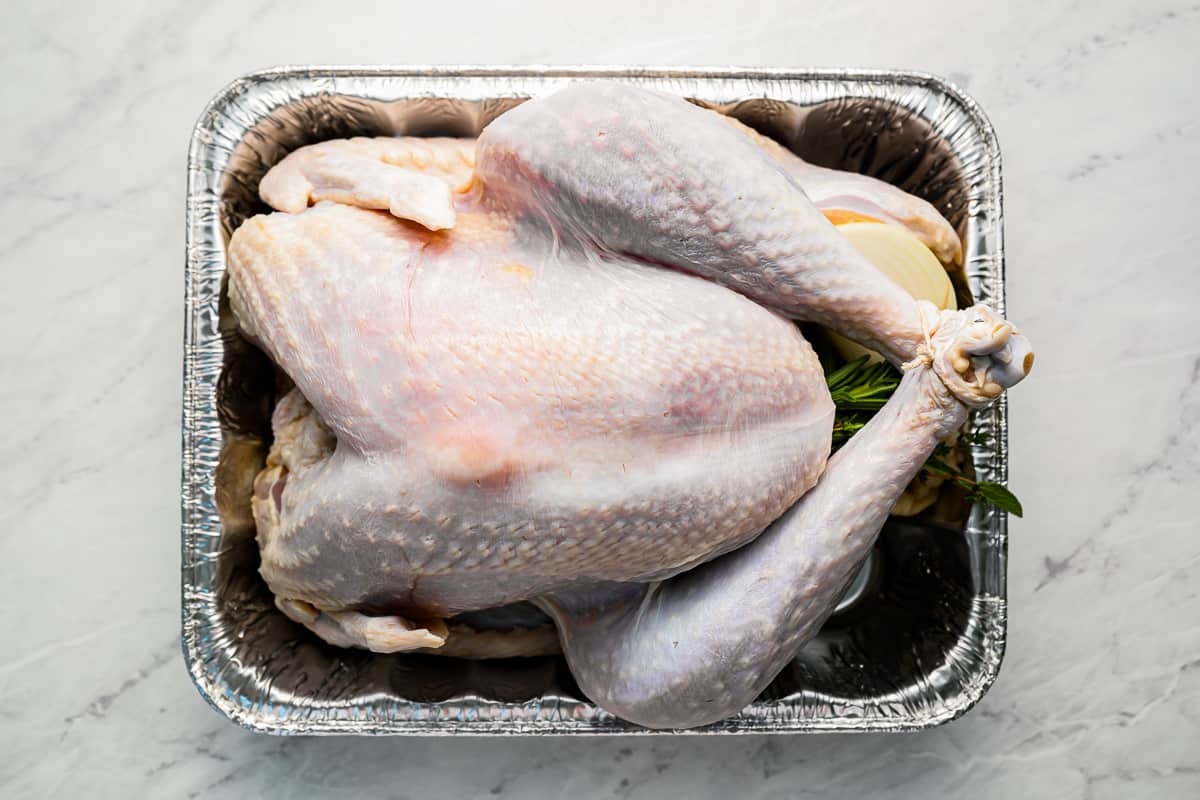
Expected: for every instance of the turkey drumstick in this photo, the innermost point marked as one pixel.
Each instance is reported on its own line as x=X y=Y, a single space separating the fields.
x=652 y=176
x=700 y=646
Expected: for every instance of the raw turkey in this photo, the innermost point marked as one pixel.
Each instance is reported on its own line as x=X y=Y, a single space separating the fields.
x=560 y=364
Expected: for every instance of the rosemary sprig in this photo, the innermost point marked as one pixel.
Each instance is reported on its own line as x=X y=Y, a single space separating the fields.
x=861 y=385
x=860 y=388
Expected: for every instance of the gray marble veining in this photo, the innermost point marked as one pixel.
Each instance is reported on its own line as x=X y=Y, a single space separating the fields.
x=1100 y=693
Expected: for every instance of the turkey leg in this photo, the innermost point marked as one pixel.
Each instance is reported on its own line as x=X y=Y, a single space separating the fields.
x=698 y=647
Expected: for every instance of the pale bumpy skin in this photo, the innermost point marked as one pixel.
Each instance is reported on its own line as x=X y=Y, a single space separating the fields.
x=513 y=418
x=513 y=400
x=655 y=177
x=862 y=194
x=324 y=171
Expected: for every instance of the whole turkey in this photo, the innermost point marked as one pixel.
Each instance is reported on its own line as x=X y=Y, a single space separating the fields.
x=560 y=364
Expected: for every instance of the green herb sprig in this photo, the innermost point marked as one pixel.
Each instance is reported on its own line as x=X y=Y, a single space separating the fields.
x=860 y=388
x=986 y=492
x=862 y=385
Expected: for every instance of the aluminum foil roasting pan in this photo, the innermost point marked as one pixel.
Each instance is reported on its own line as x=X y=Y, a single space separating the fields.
x=917 y=645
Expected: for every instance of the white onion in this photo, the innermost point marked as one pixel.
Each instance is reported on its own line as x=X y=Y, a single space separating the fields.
x=903 y=258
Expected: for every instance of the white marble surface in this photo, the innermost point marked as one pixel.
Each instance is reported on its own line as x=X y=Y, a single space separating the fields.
x=1099 y=119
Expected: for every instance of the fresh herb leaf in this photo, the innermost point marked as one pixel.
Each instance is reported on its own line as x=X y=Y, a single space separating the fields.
x=993 y=494
x=1000 y=497
x=860 y=388
x=845 y=426
x=861 y=385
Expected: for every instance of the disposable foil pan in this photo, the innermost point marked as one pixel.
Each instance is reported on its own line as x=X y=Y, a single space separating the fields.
x=924 y=636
